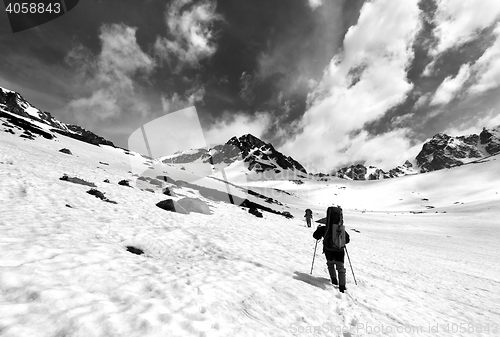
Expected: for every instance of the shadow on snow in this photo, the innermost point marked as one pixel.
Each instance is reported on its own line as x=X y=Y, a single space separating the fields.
x=320 y=282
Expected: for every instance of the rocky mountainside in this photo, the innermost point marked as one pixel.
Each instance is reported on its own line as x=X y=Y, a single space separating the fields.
x=13 y=102
x=258 y=155
x=360 y=172
x=44 y=123
x=444 y=151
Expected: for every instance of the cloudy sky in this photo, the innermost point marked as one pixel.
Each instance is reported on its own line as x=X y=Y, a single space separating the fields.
x=329 y=82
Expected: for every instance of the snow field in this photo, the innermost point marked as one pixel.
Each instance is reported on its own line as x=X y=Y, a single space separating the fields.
x=66 y=272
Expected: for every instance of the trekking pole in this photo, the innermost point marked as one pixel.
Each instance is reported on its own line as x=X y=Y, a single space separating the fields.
x=314 y=256
x=351 y=265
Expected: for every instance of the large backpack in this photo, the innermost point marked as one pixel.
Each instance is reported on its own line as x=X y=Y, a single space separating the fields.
x=335 y=230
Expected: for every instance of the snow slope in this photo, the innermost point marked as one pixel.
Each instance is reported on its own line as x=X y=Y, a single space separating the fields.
x=439 y=190
x=65 y=271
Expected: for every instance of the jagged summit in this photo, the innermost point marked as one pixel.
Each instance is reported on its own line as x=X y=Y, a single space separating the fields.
x=258 y=155
x=246 y=141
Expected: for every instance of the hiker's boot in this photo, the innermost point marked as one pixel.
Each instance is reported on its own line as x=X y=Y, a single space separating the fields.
x=331 y=271
x=341 y=271
x=342 y=288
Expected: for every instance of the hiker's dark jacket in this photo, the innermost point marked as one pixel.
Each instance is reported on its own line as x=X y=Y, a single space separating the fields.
x=320 y=232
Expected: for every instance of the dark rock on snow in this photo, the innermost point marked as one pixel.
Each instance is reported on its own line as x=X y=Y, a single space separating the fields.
x=172 y=206
x=124 y=183
x=76 y=180
x=255 y=212
x=100 y=195
x=135 y=250
x=67 y=151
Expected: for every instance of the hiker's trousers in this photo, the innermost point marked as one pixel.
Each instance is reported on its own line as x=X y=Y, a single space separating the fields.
x=335 y=260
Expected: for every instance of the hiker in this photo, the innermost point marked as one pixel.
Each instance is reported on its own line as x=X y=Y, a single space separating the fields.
x=334 y=240
x=308 y=216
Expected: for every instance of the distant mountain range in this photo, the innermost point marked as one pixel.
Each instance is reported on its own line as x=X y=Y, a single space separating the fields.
x=441 y=152
x=361 y=172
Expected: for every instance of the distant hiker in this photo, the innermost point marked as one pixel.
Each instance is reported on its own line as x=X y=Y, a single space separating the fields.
x=308 y=216
x=334 y=240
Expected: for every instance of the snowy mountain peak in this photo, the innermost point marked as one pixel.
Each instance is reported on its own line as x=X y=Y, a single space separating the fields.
x=247 y=141
x=258 y=155
x=263 y=156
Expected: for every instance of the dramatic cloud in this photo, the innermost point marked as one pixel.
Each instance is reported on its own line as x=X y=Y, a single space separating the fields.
x=361 y=83
x=238 y=124
x=121 y=56
x=190 y=33
x=422 y=101
x=296 y=54
x=373 y=149
x=178 y=102
x=315 y=3
x=488 y=67
x=461 y=21
x=458 y=22
x=402 y=120
x=451 y=86
x=110 y=76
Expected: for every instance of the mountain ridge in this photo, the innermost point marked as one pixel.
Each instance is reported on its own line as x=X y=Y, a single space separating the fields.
x=12 y=102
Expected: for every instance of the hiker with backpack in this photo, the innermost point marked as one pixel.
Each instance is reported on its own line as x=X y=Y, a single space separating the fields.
x=308 y=217
x=334 y=240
